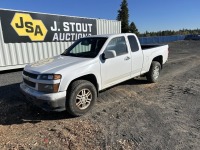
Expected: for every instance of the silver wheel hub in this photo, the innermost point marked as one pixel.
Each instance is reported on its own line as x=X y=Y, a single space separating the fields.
x=156 y=72
x=83 y=99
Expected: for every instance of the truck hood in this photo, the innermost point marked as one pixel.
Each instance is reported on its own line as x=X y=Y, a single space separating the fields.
x=55 y=64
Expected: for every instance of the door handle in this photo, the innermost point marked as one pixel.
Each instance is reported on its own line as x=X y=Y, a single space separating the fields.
x=127 y=58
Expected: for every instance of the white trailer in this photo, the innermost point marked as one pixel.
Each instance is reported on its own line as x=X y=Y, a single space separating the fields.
x=26 y=37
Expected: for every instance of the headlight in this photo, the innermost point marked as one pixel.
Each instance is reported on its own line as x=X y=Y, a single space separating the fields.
x=50 y=77
x=52 y=88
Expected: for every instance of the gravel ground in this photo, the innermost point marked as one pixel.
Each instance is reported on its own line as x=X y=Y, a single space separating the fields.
x=133 y=115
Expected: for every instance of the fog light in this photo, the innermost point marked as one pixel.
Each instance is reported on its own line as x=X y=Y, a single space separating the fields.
x=52 y=88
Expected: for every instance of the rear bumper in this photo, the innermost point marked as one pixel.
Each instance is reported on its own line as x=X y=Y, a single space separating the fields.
x=46 y=101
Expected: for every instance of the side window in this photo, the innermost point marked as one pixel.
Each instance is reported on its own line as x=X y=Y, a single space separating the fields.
x=133 y=43
x=119 y=45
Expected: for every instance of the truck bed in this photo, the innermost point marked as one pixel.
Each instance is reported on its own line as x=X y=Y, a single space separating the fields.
x=144 y=47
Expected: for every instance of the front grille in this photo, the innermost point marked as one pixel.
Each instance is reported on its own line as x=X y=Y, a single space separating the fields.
x=31 y=75
x=29 y=83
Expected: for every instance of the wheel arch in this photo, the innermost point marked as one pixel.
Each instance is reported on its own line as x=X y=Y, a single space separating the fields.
x=90 y=77
x=159 y=59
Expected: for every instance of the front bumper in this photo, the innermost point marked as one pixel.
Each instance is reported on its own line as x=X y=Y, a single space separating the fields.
x=46 y=101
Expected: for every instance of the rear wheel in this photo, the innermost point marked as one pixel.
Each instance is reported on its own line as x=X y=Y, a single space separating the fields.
x=154 y=72
x=81 y=97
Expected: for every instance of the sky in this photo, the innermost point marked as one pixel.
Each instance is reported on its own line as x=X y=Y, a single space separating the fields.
x=148 y=15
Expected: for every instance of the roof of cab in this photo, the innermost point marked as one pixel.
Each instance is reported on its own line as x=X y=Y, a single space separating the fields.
x=111 y=35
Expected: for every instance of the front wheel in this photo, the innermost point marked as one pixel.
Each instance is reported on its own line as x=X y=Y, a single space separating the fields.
x=81 y=97
x=154 y=72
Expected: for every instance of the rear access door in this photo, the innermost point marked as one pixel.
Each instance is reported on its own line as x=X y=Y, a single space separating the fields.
x=136 y=56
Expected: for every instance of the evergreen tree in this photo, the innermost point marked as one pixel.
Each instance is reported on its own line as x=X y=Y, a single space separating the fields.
x=133 y=28
x=123 y=16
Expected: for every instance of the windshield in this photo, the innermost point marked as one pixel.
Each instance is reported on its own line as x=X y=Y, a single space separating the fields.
x=85 y=47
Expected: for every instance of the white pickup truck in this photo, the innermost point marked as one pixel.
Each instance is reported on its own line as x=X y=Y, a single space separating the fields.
x=72 y=80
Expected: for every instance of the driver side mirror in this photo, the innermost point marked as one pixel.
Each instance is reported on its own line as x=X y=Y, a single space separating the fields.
x=109 y=54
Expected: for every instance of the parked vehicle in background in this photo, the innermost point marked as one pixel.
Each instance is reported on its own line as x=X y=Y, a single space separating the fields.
x=71 y=81
x=192 y=37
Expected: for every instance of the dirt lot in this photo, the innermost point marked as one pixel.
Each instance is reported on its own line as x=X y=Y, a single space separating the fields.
x=132 y=115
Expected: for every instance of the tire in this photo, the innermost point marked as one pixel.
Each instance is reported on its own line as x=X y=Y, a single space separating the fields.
x=81 y=97
x=154 y=72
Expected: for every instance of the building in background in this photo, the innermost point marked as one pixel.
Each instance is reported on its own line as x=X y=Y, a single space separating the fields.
x=26 y=37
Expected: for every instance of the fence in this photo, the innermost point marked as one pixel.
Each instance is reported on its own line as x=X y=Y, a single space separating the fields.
x=160 y=39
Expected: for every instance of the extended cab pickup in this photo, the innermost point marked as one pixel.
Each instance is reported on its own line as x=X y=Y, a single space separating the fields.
x=72 y=80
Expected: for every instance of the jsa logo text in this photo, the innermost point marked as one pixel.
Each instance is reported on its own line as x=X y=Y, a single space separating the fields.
x=24 y=25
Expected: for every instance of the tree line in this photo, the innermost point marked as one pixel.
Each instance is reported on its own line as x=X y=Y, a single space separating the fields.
x=170 y=32
x=123 y=16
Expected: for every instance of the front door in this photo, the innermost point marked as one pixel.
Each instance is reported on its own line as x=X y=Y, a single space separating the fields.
x=117 y=69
